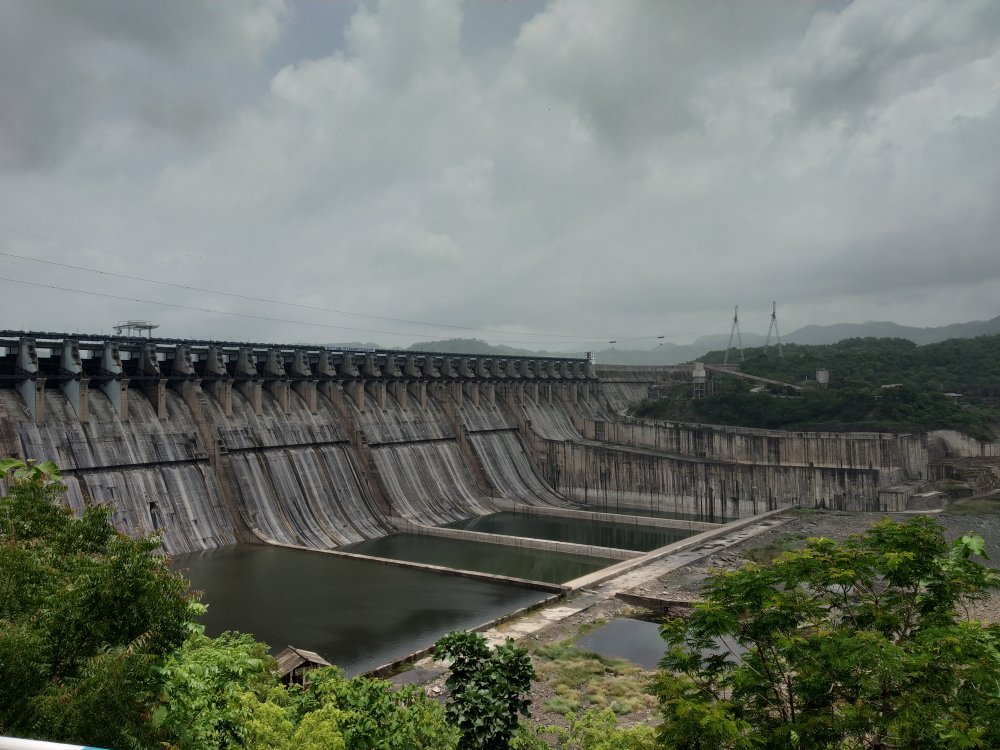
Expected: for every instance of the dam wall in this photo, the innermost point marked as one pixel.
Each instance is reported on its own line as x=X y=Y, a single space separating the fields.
x=623 y=386
x=214 y=443
x=837 y=450
x=217 y=443
x=608 y=477
x=954 y=444
x=154 y=474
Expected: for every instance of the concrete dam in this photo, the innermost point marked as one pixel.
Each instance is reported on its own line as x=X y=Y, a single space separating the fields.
x=216 y=443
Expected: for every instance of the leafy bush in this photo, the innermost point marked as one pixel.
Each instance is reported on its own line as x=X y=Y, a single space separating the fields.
x=855 y=645
x=488 y=688
x=87 y=615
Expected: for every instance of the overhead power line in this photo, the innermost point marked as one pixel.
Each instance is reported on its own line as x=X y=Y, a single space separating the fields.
x=314 y=308
x=537 y=338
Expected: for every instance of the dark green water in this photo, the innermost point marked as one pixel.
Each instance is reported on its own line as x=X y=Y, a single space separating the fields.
x=535 y=565
x=575 y=530
x=636 y=641
x=659 y=513
x=639 y=641
x=357 y=614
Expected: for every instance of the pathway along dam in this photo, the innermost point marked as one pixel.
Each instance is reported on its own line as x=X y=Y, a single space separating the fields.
x=217 y=444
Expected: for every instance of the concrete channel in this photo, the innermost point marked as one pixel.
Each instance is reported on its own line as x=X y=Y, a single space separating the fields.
x=583 y=593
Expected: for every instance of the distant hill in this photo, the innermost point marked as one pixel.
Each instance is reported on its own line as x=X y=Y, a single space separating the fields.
x=675 y=354
x=475 y=346
x=831 y=334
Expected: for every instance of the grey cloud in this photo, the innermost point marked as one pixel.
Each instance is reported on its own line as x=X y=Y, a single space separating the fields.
x=852 y=62
x=633 y=71
x=169 y=67
x=611 y=169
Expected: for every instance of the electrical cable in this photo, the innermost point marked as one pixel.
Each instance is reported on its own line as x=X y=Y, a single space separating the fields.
x=538 y=338
x=190 y=288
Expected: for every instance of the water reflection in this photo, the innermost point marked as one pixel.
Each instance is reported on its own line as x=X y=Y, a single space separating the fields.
x=357 y=614
x=535 y=565
x=577 y=530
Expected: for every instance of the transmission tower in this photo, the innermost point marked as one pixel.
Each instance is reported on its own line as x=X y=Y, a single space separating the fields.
x=774 y=329
x=735 y=330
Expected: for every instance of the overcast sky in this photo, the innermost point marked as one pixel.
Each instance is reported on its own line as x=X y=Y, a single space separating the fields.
x=557 y=173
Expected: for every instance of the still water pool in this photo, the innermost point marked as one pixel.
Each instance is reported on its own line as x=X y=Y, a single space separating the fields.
x=577 y=530
x=636 y=641
x=535 y=565
x=658 y=512
x=355 y=613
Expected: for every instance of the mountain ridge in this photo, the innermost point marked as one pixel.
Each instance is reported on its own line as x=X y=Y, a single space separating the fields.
x=673 y=354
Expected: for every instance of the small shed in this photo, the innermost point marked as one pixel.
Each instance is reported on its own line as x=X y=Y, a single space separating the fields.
x=293 y=663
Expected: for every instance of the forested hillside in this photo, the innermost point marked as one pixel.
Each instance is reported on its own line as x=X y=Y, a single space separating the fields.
x=967 y=366
x=875 y=384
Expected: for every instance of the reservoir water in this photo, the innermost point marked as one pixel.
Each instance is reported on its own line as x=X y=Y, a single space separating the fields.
x=576 y=530
x=535 y=565
x=357 y=614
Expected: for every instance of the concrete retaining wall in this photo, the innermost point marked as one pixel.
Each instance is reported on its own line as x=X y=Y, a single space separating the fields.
x=604 y=475
x=839 y=450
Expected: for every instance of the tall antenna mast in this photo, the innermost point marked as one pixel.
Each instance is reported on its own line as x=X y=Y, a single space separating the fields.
x=739 y=338
x=774 y=328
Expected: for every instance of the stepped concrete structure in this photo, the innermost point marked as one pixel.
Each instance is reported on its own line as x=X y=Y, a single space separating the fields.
x=219 y=442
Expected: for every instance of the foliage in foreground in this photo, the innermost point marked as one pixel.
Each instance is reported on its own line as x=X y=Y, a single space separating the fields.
x=852 y=645
x=591 y=730
x=488 y=689
x=99 y=645
x=86 y=616
x=223 y=693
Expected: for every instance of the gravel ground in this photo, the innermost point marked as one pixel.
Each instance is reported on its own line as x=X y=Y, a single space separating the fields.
x=976 y=516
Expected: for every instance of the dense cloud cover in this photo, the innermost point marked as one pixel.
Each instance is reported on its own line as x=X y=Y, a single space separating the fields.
x=564 y=172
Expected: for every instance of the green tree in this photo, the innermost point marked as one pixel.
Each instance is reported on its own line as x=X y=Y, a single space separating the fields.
x=223 y=693
x=372 y=715
x=488 y=688
x=210 y=690
x=86 y=615
x=851 y=645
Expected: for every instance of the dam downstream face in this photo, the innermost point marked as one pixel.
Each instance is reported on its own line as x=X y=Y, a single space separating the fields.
x=358 y=615
x=519 y=562
x=597 y=533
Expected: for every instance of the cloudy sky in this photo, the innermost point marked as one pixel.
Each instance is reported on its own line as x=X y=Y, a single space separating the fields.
x=544 y=174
